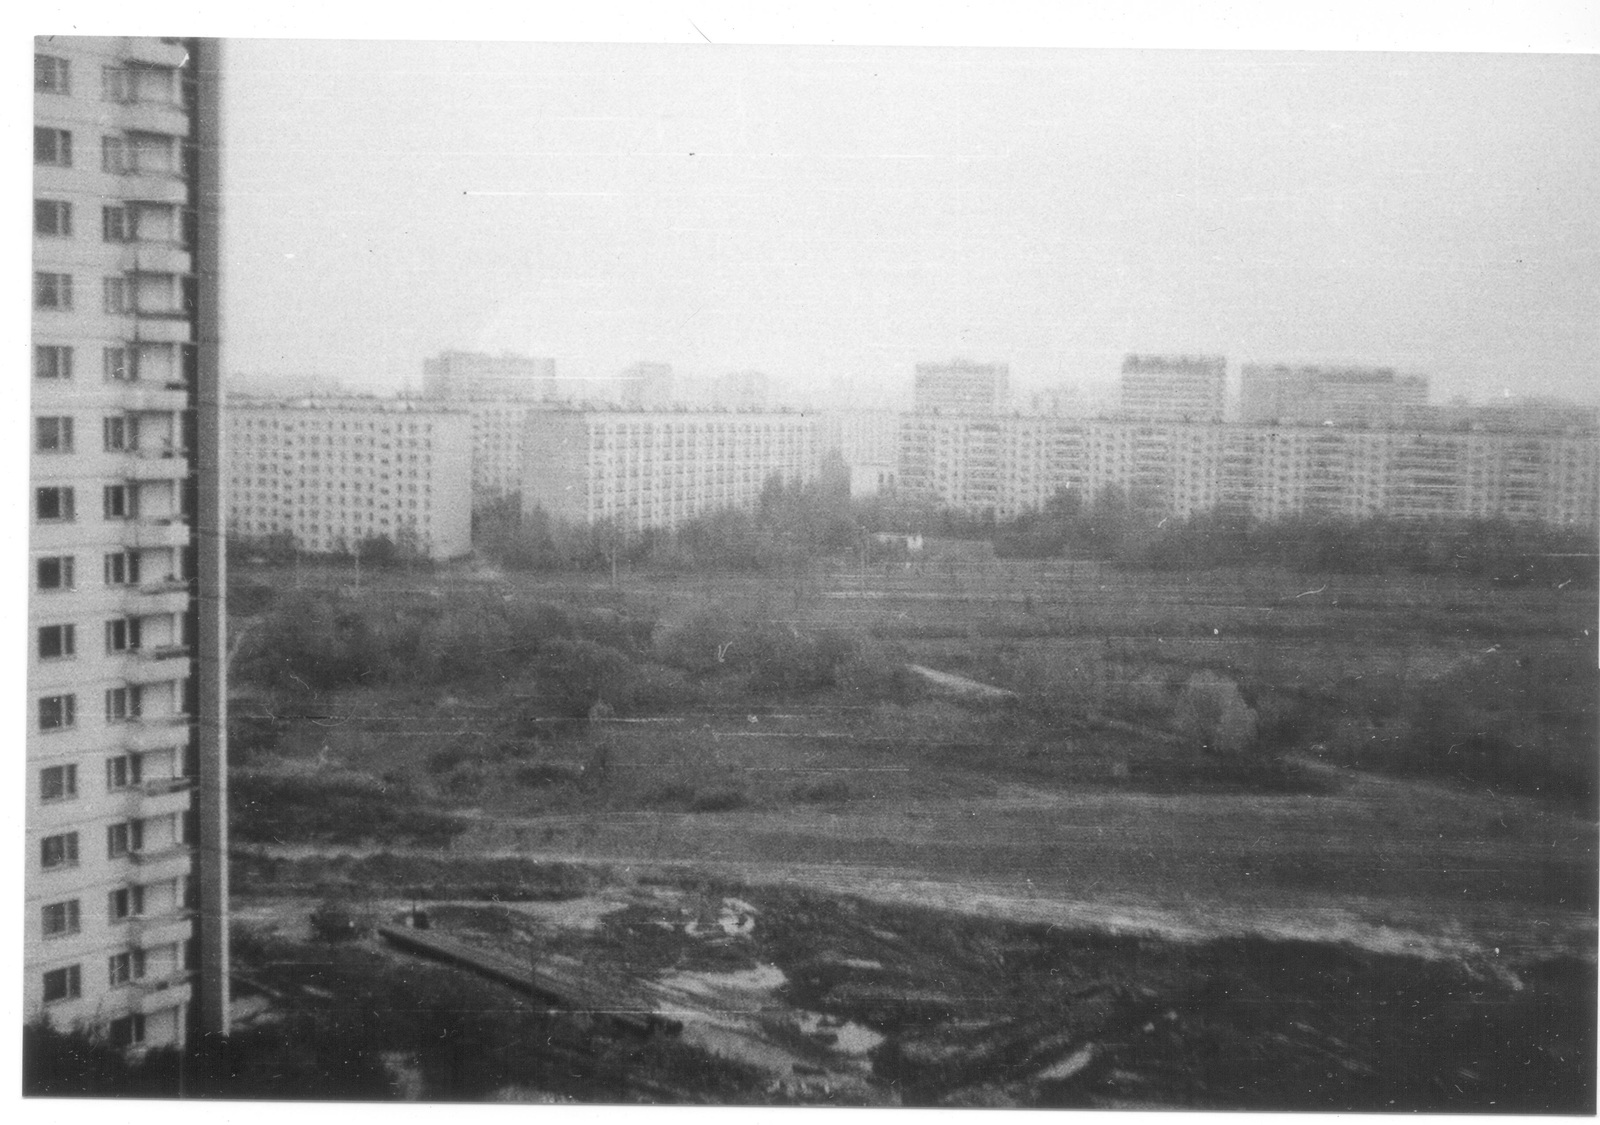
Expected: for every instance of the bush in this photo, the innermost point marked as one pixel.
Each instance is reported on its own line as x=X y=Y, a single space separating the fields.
x=571 y=676
x=348 y=809
x=1213 y=716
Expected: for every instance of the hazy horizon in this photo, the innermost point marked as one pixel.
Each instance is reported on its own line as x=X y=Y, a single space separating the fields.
x=833 y=216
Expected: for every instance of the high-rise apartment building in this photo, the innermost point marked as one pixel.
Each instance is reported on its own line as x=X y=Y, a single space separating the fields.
x=335 y=473
x=658 y=469
x=1343 y=396
x=1174 y=388
x=470 y=375
x=646 y=386
x=961 y=387
x=125 y=881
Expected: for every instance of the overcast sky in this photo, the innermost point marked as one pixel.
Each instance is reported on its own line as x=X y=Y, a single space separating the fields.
x=834 y=215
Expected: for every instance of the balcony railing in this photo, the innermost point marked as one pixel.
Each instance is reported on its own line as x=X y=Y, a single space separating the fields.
x=159 y=786
x=145 y=856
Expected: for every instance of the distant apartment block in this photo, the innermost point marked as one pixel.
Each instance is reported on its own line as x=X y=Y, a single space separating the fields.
x=1174 y=388
x=646 y=386
x=124 y=883
x=980 y=464
x=473 y=375
x=334 y=472
x=498 y=429
x=1005 y=465
x=659 y=468
x=961 y=387
x=1342 y=396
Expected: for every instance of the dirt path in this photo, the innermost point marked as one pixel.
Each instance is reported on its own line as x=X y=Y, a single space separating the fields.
x=1384 y=864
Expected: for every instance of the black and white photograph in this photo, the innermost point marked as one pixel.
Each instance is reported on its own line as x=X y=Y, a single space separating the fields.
x=956 y=565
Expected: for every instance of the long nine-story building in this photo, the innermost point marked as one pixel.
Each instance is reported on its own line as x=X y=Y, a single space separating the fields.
x=1007 y=464
x=125 y=880
x=334 y=472
x=658 y=468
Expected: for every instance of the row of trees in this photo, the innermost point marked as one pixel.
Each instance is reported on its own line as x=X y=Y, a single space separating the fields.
x=1116 y=527
x=281 y=547
x=791 y=524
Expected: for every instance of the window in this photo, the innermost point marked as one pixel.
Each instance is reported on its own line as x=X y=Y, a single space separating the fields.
x=122 y=569
x=122 y=704
x=51 y=75
x=118 y=436
x=126 y=967
x=55 y=573
x=53 y=504
x=53 y=435
x=57 y=641
x=118 y=296
x=119 y=501
x=126 y=903
x=124 y=771
x=117 y=85
x=61 y=918
x=58 y=712
x=63 y=984
x=126 y=1031
x=52 y=217
x=52 y=361
x=59 y=851
x=119 y=365
x=52 y=146
x=58 y=783
x=117 y=224
x=52 y=291
x=122 y=635
x=125 y=838
x=116 y=156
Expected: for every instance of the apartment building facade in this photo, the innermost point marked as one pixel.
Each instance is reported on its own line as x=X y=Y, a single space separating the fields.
x=961 y=387
x=334 y=473
x=1174 y=388
x=1280 y=394
x=656 y=469
x=1004 y=465
x=125 y=887
x=459 y=375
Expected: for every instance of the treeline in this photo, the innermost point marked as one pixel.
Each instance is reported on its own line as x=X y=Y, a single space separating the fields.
x=281 y=547
x=568 y=659
x=1115 y=529
x=791 y=523
x=1523 y=724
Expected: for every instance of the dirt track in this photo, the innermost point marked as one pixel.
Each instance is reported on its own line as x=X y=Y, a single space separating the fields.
x=1383 y=864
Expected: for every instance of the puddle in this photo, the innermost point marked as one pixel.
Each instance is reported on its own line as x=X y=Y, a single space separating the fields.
x=849 y=1038
x=736 y=918
x=750 y=984
x=584 y=914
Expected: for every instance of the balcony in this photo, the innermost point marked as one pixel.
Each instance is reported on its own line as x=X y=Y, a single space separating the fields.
x=140 y=466
x=157 y=654
x=136 y=738
x=152 y=51
x=149 y=930
x=166 y=531
x=155 y=186
x=149 y=397
x=168 y=118
x=155 y=857
x=142 y=800
x=156 y=256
